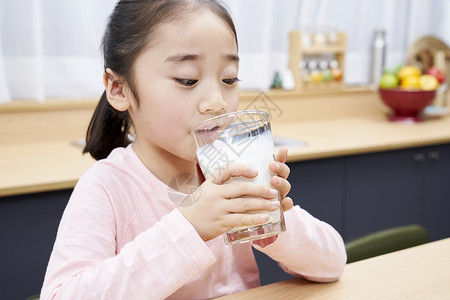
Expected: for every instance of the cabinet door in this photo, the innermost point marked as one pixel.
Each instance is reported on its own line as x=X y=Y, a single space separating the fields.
x=318 y=187
x=383 y=190
x=437 y=192
x=28 y=226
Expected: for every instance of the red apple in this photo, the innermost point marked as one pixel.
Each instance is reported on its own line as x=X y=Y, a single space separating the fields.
x=436 y=72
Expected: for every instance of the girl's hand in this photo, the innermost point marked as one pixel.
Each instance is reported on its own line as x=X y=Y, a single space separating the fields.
x=219 y=207
x=279 y=181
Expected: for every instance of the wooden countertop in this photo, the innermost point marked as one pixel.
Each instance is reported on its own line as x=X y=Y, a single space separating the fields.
x=356 y=135
x=40 y=166
x=37 y=152
x=421 y=272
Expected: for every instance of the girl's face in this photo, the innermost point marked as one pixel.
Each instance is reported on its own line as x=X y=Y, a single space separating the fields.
x=187 y=74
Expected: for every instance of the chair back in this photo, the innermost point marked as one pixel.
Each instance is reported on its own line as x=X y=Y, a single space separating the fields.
x=385 y=241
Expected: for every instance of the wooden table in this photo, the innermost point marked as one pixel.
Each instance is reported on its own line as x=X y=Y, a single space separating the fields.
x=421 y=272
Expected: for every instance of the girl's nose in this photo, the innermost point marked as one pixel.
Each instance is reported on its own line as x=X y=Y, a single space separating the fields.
x=213 y=102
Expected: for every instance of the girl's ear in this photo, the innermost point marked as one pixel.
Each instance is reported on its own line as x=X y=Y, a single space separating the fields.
x=117 y=93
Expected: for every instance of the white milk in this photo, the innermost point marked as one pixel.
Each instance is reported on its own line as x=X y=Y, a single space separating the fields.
x=256 y=152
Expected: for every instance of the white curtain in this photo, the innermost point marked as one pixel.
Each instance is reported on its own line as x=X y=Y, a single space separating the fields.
x=51 y=48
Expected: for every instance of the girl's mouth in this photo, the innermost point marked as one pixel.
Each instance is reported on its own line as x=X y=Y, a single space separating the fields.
x=208 y=130
x=208 y=134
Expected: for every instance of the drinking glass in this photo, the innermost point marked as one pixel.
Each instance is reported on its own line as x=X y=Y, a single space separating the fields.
x=242 y=137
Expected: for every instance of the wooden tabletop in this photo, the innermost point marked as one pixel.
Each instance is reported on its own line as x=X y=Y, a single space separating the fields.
x=359 y=134
x=421 y=272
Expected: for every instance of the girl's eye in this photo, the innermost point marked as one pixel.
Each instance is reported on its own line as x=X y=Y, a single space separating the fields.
x=186 y=82
x=230 y=81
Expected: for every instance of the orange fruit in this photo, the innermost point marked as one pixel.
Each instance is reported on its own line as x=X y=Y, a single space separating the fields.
x=410 y=83
x=408 y=71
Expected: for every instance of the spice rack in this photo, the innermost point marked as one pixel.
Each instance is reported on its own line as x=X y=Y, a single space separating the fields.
x=301 y=54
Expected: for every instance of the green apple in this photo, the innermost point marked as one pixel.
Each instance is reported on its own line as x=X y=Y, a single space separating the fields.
x=388 y=81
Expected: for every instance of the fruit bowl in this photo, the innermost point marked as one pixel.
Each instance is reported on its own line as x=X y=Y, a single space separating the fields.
x=406 y=105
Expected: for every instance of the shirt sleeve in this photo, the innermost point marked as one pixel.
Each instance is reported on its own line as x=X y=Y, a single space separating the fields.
x=84 y=263
x=309 y=248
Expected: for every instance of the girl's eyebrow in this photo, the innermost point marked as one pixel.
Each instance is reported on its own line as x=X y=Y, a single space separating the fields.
x=177 y=58
x=182 y=57
x=232 y=57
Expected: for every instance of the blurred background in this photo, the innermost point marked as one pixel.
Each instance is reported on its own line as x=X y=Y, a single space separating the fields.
x=51 y=49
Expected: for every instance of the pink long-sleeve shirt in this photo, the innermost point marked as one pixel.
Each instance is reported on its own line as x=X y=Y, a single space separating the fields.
x=122 y=237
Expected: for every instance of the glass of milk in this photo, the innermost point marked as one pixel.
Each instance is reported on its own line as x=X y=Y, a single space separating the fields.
x=242 y=137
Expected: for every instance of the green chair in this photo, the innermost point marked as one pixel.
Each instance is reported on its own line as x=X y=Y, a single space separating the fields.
x=385 y=241
x=34 y=297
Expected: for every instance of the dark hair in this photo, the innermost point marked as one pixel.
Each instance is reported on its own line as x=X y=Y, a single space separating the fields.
x=131 y=27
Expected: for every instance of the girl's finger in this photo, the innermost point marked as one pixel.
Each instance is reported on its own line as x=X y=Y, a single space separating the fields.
x=247 y=204
x=281 y=184
x=281 y=155
x=232 y=170
x=234 y=220
x=281 y=169
x=287 y=203
x=237 y=189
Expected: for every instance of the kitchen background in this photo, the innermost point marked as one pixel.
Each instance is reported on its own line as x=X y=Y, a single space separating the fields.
x=51 y=49
x=350 y=166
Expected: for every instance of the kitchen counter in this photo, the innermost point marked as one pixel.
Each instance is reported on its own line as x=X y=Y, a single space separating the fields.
x=357 y=135
x=31 y=167
x=37 y=150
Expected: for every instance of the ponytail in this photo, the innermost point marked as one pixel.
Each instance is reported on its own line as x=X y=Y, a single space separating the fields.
x=108 y=129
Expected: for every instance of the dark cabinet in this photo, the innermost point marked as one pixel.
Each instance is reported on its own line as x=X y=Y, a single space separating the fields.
x=382 y=190
x=396 y=188
x=360 y=194
x=28 y=226
x=318 y=187
x=436 y=204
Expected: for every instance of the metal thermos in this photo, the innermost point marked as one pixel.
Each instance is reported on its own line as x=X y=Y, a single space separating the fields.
x=378 y=58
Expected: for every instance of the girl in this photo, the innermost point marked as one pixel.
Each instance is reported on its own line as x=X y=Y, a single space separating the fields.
x=127 y=231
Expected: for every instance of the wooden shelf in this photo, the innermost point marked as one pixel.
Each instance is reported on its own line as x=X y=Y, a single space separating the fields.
x=298 y=53
x=323 y=49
